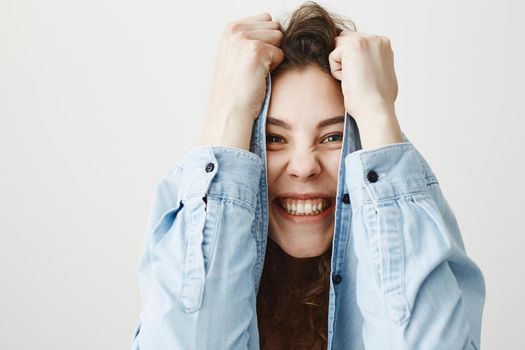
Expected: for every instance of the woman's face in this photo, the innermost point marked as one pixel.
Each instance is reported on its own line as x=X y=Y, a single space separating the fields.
x=303 y=159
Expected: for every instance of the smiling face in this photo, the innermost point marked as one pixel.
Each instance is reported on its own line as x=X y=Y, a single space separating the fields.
x=304 y=135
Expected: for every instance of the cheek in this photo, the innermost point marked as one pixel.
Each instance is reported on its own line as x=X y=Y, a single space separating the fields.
x=331 y=163
x=274 y=166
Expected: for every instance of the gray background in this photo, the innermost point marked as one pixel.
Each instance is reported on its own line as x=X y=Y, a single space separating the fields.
x=98 y=99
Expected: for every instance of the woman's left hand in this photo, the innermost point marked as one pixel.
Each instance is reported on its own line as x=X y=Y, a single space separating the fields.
x=364 y=64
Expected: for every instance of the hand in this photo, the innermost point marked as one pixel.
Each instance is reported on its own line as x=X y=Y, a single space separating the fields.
x=248 y=52
x=365 y=66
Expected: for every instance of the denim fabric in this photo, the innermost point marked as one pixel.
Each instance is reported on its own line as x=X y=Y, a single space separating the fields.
x=404 y=280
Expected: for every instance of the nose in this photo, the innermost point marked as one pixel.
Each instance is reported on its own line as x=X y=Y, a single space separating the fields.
x=304 y=165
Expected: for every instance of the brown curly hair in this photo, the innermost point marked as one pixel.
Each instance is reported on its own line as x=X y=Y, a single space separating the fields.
x=292 y=309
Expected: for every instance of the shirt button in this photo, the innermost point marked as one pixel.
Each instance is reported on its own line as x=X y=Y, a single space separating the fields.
x=372 y=176
x=346 y=198
x=337 y=279
x=210 y=167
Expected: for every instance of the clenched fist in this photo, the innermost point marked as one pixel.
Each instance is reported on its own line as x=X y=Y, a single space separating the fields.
x=364 y=64
x=248 y=52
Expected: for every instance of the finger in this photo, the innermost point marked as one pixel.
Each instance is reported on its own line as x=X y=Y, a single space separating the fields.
x=277 y=56
x=347 y=35
x=338 y=75
x=340 y=40
x=260 y=17
x=259 y=25
x=334 y=60
x=272 y=37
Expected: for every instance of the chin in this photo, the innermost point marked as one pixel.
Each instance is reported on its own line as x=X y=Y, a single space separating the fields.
x=303 y=249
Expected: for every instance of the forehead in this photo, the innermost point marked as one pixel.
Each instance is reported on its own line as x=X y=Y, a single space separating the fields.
x=305 y=97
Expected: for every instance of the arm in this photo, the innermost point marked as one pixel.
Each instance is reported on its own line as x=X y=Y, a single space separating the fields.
x=195 y=272
x=416 y=286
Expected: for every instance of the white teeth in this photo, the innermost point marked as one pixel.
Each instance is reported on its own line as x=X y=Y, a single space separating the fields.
x=305 y=207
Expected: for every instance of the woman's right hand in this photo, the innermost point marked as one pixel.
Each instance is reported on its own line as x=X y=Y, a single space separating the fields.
x=248 y=52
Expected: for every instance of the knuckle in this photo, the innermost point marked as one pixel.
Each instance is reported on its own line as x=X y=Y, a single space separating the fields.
x=233 y=27
x=384 y=40
x=267 y=16
x=360 y=42
x=242 y=35
x=276 y=25
x=255 y=46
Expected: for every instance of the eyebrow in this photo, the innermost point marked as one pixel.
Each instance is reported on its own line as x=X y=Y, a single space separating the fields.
x=330 y=121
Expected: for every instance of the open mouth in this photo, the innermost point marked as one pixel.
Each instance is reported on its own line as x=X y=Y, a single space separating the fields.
x=307 y=211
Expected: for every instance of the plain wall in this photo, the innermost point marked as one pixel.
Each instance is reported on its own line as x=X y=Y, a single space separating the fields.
x=98 y=99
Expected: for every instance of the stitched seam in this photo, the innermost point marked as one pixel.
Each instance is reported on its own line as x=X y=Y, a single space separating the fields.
x=403 y=280
x=234 y=200
x=214 y=237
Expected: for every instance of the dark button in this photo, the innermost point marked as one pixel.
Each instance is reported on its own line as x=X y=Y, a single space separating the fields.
x=372 y=176
x=210 y=167
x=346 y=198
x=337 y=279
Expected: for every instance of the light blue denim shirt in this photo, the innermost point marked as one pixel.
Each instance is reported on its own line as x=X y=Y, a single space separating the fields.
x=401 y=278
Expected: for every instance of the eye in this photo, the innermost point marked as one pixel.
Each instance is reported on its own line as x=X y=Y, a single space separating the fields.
x=334 y=135
x=270 y=137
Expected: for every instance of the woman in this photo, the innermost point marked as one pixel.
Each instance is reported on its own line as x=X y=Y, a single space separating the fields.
x=319 y=226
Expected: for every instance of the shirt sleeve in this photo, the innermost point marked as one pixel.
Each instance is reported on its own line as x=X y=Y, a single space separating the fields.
x=196 y=275
x=416 y=286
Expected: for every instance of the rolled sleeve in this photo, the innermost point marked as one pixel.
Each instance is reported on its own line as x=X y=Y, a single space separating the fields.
x=388 y=172
x=226 y=172
x=196 y=268
x=414 y=281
